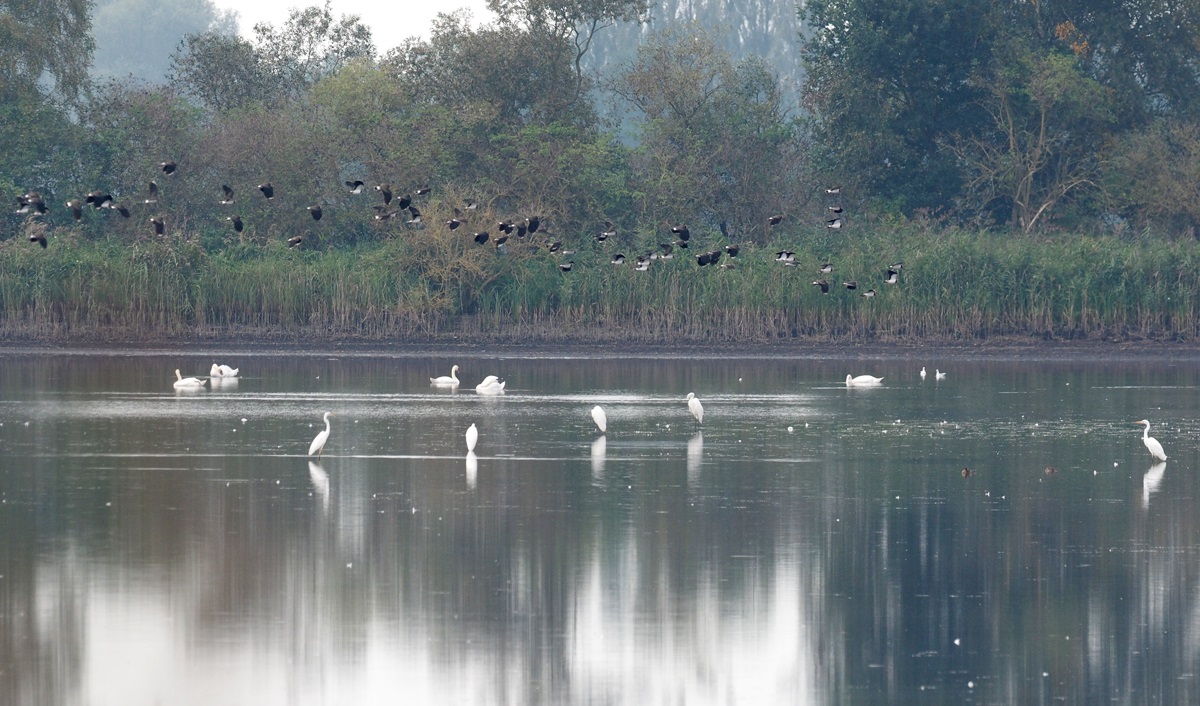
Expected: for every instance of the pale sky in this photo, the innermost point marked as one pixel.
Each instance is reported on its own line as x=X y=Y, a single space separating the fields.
x=390 y=22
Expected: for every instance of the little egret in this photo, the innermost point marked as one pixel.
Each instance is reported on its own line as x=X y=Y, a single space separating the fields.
x=472 y=437
x=1152 y=445
x=318 y=442
x=922 y=372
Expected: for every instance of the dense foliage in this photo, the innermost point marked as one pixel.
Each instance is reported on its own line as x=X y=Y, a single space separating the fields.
x=985 y=119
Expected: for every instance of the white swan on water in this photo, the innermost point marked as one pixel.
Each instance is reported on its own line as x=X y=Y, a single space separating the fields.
x=182 y=383
x=862 y=381
x=450 y=380
x=491 y=385
x=223 y=371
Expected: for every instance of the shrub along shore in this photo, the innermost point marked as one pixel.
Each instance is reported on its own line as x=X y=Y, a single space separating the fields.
x=955 y=285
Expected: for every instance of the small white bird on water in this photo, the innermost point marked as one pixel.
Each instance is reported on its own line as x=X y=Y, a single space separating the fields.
x=600 y=418
x=223 y=371
x=938 y=375
x=922 y=372
x=695 y=407
x=450 y=380
x=1152 y=445
x=472 y=437
x=862 y=380
x=318 y=442
x=182 y=383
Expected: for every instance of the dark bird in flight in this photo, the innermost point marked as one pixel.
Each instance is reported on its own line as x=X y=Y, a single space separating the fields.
x=824 y=285
x=76 y=207
x=228 y=194
x=869 y=293
x=732 y=250
x=835 y=223
x=236 y=221
x=421 y=190
x=160 y=225
x=851 y=285
x=682 y=231
x=386 y=191
x=836 y=209
x=121 y=209
x=618 y=259
x=834 y=190
x=532 y=224
x=505 y=227
x=826 y=268
x=168 y=167
x=152 y=192
x=294 y=241
x=482 y=237
x=775 y=220
x=453 y=223
x=267 y=190
x=38 y=238
x=315 y=210
x=892 y=277
x=416 y=215
x=566 y=266
x=355 y=187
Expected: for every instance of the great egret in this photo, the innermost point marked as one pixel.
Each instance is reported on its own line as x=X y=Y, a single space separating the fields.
x=922 y=372
x=472 y=437
x=182 y=383
x=938 y=375
x=1152 y=445
x=862 y=380
x=223 y=371
x=450 y=380
x=318 y=442
x=599 y=418
x=695 y=407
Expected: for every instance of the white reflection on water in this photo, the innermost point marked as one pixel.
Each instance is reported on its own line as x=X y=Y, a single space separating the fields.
x=599 y=449
x=320 y=481
x=472 y=469
x=695 y=457
x=1151 y=481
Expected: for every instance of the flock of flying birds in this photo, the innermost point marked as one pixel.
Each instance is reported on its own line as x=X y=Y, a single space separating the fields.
x=403 y=207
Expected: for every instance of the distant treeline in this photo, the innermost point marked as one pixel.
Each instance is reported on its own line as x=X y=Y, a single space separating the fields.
x=1036 y=167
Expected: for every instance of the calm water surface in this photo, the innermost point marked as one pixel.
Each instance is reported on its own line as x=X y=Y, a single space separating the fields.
x=813 y=544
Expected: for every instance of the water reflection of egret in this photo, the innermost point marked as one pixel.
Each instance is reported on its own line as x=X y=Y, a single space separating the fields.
x=599 y=449
x=1151 y=481
x=472 y=468
x=600 y=418
x=695 y=456
x=1152 y=445
x=318 y=442
x=320 y=481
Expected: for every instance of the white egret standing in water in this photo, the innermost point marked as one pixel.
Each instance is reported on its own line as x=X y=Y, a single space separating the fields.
x=1152 y=445
x=922 y=372
x=599 y=418
x=695 y=407
x=318 y=442
x=472 y=437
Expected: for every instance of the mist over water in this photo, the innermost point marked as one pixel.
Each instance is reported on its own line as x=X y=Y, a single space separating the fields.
x=162 y=547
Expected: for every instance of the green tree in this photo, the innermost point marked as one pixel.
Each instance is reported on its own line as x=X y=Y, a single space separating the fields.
x=1040 y=148
x=887 y=82
x=715 y=139
x=44 y=39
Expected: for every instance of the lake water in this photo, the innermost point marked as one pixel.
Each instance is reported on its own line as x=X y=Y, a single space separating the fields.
x=179 y=548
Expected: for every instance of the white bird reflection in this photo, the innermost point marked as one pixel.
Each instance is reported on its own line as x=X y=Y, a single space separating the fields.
x=320 y=481
x=472 y=469
x=228 y=384
x=695 y=456
x=599 y=448
x=1151 y=481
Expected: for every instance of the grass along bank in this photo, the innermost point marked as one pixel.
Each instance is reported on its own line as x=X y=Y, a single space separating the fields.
x=955 y=285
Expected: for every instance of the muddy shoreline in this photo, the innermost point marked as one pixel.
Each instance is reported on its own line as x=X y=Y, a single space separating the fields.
x=1000 y=349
